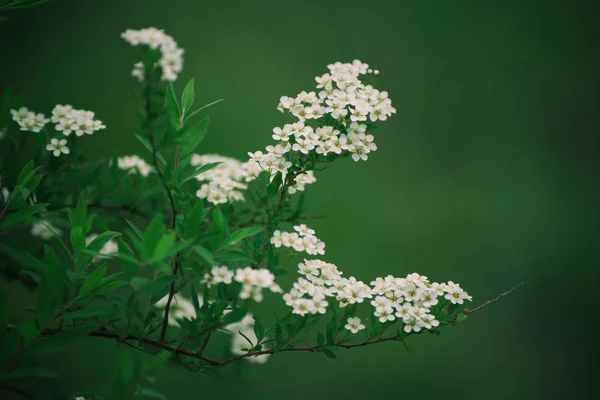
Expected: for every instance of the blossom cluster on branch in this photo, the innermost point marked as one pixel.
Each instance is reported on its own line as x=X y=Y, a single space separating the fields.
x=162 y=253
x=67 y=120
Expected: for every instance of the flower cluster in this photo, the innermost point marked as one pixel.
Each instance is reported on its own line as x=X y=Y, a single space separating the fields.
x=66 y=119
x=341 y=94
x=303 y=240
x=308 y=294
x=171 y=56
x=134 y=164
x=69 y=120
x=222 y=183
x=408 y=299
x=254 y=281
x=218 y=275
x=28 y=120
x=342 y=107
x=43 y=229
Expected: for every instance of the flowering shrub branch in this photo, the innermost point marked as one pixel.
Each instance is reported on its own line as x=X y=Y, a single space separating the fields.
x=164 y=256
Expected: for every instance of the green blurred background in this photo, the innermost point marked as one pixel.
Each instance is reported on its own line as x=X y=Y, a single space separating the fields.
x=487 y=175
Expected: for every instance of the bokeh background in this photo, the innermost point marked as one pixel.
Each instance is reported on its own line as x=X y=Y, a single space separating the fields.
x=487 y=175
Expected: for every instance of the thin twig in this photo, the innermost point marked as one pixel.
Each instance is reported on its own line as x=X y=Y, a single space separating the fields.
x=199 y=354
x=487 y=303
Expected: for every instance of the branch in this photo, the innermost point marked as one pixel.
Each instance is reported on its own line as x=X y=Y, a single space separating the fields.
x=174 y=264
x=487 y=303
x=199 y=354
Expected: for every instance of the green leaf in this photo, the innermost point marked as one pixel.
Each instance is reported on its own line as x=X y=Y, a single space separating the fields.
x=29 y=183
x=198 y=171
x=194 y=220
x=259 y=328
x=217 y=228
x=187 y=98
x=37 y=278
x=279 y=336
x=151 y=286
x=275 y=184
x=320 y=339
x=58 y=238
x=164 y=246
x=51 y=292
x=25 y=172
x=94 y=248
x=11 y=219
x=77 y=238
x=193 y=137
x=331 y=330
x=148 y=146
x=110 y=287
x=28 y=330
x=30 y=372
x=153 y=234
x=240 y=235
x=80 y=214
x=92 y=281
x=328 y=353
x=195 y=300
x=172 y=106
x=205 y=254
x=247 y=339
x=25 y=259
x=135 y=229
x=461 y=317
x=202 y=108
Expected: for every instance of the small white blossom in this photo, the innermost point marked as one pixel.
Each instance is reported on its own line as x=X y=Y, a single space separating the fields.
x=354 y=325
x=58 y=147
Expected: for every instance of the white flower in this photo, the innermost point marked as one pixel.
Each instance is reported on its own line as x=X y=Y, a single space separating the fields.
x=354 y=325
x=43 y=229
x=171 y=61
x=385 y=314
x=69 y=120
x=455 y=294
x=224 y=183
x=28 y=120
x=254 y=281
x=304 y=230
x=181 y=308
x=245 y=327
x=219 y=275
x=134 y=164
x=58 y=147
x=109 y=248
x=20 y=114
x=276 y=240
